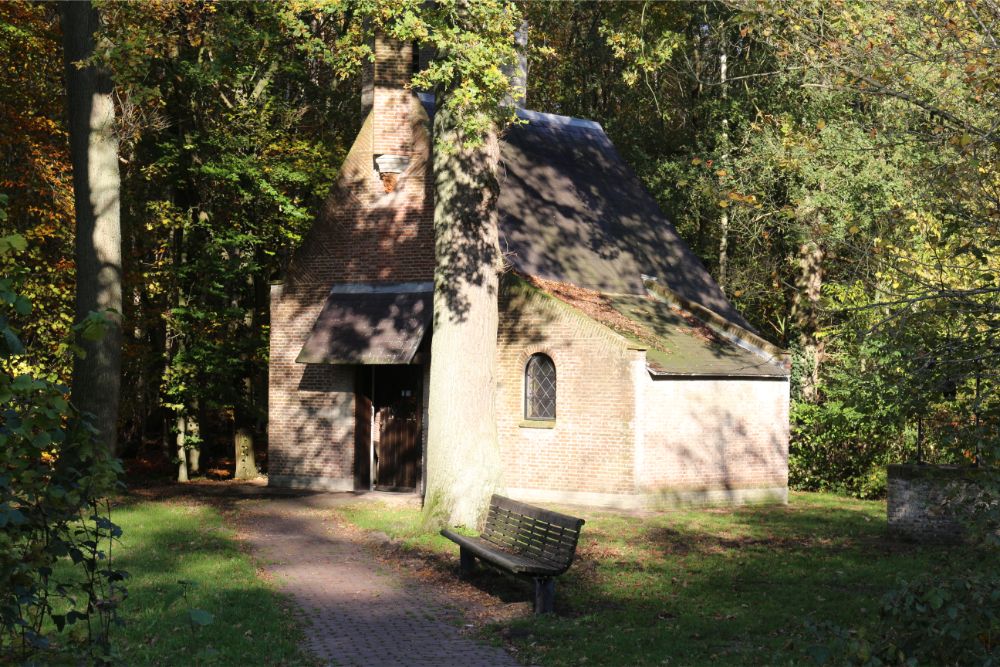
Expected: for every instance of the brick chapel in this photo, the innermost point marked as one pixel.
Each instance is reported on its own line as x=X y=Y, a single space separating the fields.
x=625 y=377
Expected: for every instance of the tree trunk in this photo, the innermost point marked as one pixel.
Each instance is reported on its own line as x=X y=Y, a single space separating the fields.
x=805 y=310
x=463 y=459
x=724 y=141
x=96 y=187
x=192 y=440
x=246 y=464
x=257 y=389
x=182 y=459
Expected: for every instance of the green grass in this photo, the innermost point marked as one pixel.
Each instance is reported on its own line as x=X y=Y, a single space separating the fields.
x=721 y=587
x=165 y=543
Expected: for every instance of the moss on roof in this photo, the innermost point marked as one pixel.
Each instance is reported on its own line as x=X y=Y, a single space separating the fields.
x=676 y=342
x=685 y=345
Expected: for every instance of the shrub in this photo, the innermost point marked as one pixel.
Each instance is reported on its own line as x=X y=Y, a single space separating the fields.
x=954 y=621
x=53 y=477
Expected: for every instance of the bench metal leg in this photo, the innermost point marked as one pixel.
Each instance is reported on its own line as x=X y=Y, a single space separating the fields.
x=545 y=595
x=467 y=560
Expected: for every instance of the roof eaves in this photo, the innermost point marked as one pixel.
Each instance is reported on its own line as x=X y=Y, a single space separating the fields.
x=555 y=120
x=729 y=330
x=659 y=372
x=567 y=295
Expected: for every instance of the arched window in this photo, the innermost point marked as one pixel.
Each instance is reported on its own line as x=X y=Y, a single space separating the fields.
x=540 y=388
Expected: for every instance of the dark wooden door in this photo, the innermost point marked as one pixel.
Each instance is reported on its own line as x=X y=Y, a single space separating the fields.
x=398 y=405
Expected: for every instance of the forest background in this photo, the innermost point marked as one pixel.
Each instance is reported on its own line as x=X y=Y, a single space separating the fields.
x=833 y=163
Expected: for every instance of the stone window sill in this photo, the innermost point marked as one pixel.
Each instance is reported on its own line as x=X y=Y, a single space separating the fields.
x=537 y=423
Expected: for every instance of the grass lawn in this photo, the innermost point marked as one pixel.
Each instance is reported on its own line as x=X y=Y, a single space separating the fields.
x=164 y=543
x=711 y=586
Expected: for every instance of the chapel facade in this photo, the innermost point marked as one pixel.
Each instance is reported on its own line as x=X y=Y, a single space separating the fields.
x=625 y=377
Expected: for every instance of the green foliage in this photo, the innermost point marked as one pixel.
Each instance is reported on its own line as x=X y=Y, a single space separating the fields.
x=473 y=43
x=978 y=503
x=233 y=136
x=844 y=442
x=842 y=191
x=925 y=621
x=53 y=477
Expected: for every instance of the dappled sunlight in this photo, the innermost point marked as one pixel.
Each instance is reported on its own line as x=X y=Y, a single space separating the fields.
x=736 y=584
x=180 y=556
x=572 y=210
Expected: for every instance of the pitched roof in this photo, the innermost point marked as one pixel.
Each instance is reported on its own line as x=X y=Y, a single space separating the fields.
x=572 y=210
x=676 y=342
x=683 y=346
x=370 y=324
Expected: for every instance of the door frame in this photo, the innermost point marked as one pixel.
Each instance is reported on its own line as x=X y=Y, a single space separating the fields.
x=366 y=384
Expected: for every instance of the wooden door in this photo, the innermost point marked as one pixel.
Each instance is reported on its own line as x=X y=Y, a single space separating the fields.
x=399 y=409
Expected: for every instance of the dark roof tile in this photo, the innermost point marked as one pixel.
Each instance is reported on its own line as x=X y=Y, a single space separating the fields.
x=572 y=210
x=382 y=325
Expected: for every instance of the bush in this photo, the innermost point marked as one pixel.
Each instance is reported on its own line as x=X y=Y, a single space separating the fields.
x=932 y=621
x=867 y=417
x=924 y=622
x=53 y=477
x=836 y=447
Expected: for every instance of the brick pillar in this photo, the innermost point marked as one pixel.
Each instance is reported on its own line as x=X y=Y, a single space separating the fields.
x=394 y=64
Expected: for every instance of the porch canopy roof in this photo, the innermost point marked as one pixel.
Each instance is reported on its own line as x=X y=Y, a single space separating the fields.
x=376 y=323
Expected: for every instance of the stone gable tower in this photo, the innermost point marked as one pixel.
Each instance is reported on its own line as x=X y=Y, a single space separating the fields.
x=374 y=236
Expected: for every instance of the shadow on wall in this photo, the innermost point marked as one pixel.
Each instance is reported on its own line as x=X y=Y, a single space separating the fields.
x=570 y=209
x=723 y=452
x=309 y=442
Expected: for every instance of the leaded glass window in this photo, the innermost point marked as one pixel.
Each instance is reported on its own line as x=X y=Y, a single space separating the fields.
x=540 y=388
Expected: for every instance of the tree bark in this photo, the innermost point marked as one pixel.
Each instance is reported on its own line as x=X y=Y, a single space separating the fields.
x=805 y=310
x=463 y=458
x=724 y=217
x=192 y=440
x=246 y=464
x=182 y=458
x=97 y=187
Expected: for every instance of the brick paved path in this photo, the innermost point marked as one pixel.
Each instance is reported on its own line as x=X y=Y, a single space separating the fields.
x=357 y=612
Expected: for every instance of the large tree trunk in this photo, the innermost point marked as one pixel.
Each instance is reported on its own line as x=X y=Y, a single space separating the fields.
x=96 y=185
x=182 y=452
x=192 y=439
x=805 y=311
x=463 y=459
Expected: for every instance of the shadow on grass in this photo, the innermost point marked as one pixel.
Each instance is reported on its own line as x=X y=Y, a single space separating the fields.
x=733 y=586
x=729 y=586
x=165 y=544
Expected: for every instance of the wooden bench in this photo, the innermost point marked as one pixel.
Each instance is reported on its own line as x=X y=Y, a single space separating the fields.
x=525 y=541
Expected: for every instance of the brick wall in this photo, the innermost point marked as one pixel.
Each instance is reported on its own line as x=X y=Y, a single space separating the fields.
x=590 y=447
x=394 y=65
x=919 y=501
x=712 y=435
x=618 y=432
x=363 y=235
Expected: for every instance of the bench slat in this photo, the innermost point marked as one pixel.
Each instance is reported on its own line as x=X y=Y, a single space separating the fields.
x=523 y=509
x=524 y=539
x=546 y=536
x=510 y=562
